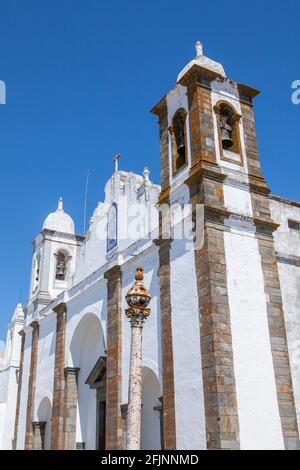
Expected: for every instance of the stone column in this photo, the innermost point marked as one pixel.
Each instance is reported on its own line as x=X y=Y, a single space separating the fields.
x=38 y=428
x=31 y=386
x=138 y=299
x=20 y=375
x=113 y=434
x=71 y=398
x=58 y=409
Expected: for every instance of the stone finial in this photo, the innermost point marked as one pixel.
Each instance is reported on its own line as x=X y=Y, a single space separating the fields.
x=139 y=274
x=199 y=49
x=146 y=174
x=116 y=161
x=60 y=204
x=138 y=297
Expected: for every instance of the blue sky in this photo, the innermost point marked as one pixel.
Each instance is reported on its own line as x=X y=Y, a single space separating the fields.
x=81 y=77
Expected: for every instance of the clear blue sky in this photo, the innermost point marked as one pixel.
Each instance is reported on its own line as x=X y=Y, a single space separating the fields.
x=81 y=77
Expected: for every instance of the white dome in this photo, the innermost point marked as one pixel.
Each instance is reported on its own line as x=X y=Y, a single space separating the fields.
x=59 y=221
x=202 y=61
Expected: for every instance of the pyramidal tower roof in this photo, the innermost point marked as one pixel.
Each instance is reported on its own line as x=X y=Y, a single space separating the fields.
x=18 y=313
x=59 y=221
x=202 y=61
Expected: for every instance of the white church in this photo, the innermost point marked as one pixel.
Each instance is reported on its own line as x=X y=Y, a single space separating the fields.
x=221 y=346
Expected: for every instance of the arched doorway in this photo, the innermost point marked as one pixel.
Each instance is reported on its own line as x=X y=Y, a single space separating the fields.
x=151 y=411
x=44 y=415
x=87 y=347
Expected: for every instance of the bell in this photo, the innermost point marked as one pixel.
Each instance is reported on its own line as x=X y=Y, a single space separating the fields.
x=180 y=141
x=226 y=131
x=227 y=141
x=180 y=160
x=60 y=271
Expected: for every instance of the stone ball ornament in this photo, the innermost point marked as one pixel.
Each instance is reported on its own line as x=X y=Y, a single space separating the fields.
x=138 y=297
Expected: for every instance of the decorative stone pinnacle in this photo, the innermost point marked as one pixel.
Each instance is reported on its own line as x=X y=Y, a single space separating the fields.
x=60 y=204
x=139 y=274
x=116 y=161
x=138 y=297
x=199 y=49
x=146 y=174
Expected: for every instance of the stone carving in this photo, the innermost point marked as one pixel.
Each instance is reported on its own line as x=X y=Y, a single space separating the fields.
x=137 y=298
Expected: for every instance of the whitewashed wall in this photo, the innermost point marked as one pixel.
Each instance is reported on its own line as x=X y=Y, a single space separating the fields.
x=287 y=244
x=253 y=364
x=188 y=385
x=85 y=343
x=24 y=389
x=45 y=363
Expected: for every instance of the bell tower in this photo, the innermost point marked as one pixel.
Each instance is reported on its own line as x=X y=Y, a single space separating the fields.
x=209 y=158
x=54 y=259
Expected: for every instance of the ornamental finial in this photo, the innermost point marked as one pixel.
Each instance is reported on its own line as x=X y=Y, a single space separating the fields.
x=60 y=204
x=139 y=274
x=199 y=49
x=146 y=174
x=116 y=161
x=138 y=296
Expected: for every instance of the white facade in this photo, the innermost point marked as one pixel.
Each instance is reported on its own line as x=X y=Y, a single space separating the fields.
x=9 y=379
x=123 y=232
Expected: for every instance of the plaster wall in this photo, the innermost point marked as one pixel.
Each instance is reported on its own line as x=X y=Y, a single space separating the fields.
x=24 y=390
x=254 y=373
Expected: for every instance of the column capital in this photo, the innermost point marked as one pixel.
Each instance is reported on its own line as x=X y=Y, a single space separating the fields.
x=34 y=325
x=60 y=308
x=71 y=370
x=114 y=271
x=137 y=316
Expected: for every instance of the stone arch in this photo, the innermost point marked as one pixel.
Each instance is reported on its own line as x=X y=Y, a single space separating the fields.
x=178 y=133
x=86 y=347
x=62 y=258
x=44 y=415
x=233 y=119
x=151 y=411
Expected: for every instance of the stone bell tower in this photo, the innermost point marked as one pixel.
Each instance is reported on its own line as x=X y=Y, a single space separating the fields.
x=54 y=259
x=209 y=157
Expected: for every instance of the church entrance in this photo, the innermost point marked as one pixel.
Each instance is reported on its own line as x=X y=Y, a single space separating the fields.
x=97 y=381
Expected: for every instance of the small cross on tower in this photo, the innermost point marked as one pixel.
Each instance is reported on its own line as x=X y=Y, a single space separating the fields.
x=116 y=160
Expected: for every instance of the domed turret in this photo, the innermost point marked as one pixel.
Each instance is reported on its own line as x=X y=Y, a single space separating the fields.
x=59 y=221
x=202 y=61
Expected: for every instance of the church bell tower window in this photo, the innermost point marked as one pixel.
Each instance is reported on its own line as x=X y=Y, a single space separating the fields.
x=228 y=132
x=179 y=142
x=61 y=266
